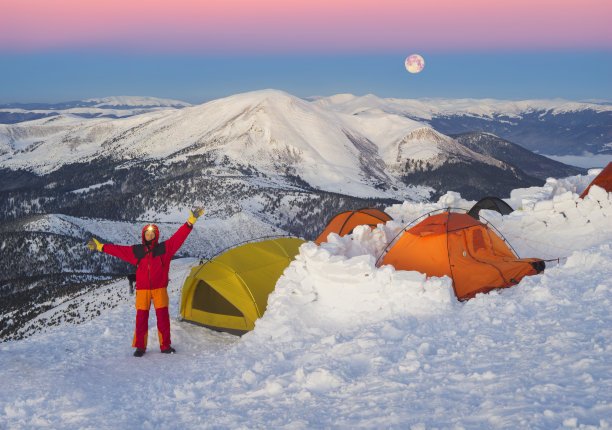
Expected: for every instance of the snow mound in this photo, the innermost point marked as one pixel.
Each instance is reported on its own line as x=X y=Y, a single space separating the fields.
x=324 y=292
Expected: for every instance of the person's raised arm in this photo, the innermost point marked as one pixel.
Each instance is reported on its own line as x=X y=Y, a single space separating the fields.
x=126 y=253
x=174 y=243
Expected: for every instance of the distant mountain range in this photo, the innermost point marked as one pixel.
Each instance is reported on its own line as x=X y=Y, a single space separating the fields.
x=107 y=107
x=552 y=127
x=341 y=144
x=268 y=144
x=260 y=163
x=501 y=149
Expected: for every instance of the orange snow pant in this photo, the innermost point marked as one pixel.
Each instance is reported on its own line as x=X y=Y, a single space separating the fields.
x=159 y=296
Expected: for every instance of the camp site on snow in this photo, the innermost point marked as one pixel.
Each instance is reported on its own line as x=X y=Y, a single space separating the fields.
x=229 y=292
x=335 y=329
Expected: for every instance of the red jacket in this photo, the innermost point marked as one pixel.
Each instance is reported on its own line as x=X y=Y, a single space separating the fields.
x=152 y=264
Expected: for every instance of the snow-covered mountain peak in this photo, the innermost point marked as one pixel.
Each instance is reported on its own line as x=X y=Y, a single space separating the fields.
x=352 y=104
x=421 y=144
x=266 y=97
x=428 y=145
x=271 y=129
x=231 y=108
x=335 y=99
x=426 y=134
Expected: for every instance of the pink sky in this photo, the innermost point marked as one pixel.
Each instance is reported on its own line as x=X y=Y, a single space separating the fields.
x=242 y=26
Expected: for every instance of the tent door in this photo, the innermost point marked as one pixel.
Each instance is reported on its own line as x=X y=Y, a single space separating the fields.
x=207 y=299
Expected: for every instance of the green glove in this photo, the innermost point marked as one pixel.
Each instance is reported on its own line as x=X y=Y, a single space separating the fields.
x=94 y=244
x=195 y=214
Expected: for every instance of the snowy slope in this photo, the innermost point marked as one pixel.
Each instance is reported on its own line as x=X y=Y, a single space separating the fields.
x=344 y=344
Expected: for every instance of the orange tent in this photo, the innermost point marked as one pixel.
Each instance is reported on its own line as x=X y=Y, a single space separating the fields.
x=464 y=249
x=603 y=180
x=345 y=222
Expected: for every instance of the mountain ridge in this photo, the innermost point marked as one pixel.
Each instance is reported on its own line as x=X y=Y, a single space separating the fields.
x=270 y=131
x=546 y=126
x=104 y=107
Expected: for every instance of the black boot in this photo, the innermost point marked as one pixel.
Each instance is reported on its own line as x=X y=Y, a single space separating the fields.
x=139 y=352
x=170 y=350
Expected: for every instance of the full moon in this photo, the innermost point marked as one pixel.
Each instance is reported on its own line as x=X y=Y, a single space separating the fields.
x=414 y=63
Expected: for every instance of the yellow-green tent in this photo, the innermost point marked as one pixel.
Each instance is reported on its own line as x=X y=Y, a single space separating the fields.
x=229 y=292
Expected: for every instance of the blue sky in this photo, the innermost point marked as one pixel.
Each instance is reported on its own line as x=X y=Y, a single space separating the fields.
x=70 y=75
x=61 y=50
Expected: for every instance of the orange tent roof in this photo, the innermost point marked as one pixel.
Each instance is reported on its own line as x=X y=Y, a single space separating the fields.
x=464 y=249
x=603 y=180
x=345 y=222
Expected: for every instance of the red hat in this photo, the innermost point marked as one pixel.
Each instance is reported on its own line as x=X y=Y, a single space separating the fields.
x=154 y=228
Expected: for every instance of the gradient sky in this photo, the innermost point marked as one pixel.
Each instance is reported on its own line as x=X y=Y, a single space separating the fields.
x=195 y=50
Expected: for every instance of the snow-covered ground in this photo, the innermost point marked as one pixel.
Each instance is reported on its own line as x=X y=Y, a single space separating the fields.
x=344 y=344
